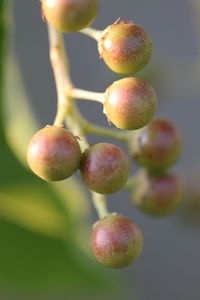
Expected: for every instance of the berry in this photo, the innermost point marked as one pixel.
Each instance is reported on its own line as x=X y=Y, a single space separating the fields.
x=53 y=153
x=125 y=47
x=157 y=146
x=157 y=194
x=69 y=15
x=130 y=103
x=116 y=241
x=105 y=168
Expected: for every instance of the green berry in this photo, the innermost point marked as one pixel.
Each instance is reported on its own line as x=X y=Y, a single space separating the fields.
x=105 y=168
x=69 y=15
x=156 y=146
x=130 y=103
x=157 y=194
x=125 y=47
x=116 y=241
x=53 y=153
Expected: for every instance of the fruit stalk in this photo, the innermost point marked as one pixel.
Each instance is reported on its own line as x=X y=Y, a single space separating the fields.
x=60 y=65
x=91 y=32
x=99 y=202
x=82 y=94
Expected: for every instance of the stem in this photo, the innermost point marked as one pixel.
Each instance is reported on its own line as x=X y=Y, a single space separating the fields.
x=67 y=107
x=111 y=133
x=88 y=127
x=100 y=204
x=91 y=32
x=74 y=123
x=83 y=94
x=60 y=116
x=60 y=65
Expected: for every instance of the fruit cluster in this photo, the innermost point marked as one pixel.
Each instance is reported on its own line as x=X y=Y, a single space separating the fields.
x=54 y=153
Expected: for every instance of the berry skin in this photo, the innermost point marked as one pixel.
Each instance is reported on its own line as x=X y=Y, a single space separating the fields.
x=69 y=15
x=116 y=241
x=130 y=103
x=157 y=146
x=125 y=47
x=53 y=153
x=105 y=168
x=157 y=194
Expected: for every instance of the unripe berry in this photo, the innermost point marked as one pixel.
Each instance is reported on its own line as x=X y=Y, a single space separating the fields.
x=69 y=15
x=130 y=103
x=53 y=153
x=156 y=146
x=125 y=47
x=105 y=168
x=157 y=194
x=116 y=241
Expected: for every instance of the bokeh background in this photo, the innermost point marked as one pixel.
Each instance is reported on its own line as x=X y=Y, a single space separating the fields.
x=35 y=262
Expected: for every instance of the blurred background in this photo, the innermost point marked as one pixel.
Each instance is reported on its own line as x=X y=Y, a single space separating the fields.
x=44 y=229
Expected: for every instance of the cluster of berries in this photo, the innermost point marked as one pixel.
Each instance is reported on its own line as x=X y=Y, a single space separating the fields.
x=54 y=152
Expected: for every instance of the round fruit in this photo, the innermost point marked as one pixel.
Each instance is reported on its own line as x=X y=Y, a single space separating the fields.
x=105 y=168
x=125 y=47
x=157 y=146
x=130 y=103
x=69 y=15
x=116 y=241
x=53 y=153
x=157 y=194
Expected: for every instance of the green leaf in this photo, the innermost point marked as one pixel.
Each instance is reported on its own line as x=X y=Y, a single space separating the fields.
x=20 y=124
x=34 y=263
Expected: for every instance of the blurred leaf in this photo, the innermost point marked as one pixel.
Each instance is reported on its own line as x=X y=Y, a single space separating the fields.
x=20 y=124
x=33 y=209
x=34 y=263
x=41 y=252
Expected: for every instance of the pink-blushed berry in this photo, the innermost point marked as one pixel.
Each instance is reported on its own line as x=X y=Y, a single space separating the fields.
x=116 y=241
x=156 y=146
x=105 y=168
x=69 y=15
x=125 y=47
x=130 y=103
x=53 y=153
x=157 y=194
